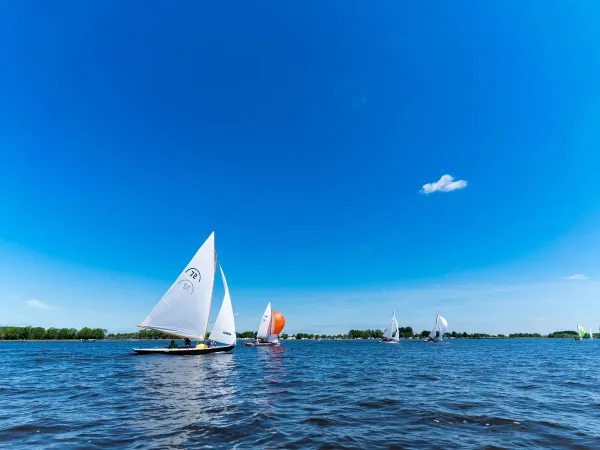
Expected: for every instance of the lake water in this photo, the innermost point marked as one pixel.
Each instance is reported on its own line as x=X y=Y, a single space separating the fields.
x=328 y=394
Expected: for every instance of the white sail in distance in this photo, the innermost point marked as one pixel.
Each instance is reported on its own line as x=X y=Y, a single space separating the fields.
x=185 y=308
x=224 y=327
x=433 y=334
x=591 y=334
x=442 y=326
x=391 y=332
x=439 y=328
x=580 y=332
x=264 y=329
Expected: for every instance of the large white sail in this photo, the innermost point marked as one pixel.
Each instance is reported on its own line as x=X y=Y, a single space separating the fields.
x=392 y=329
x=264 y=329
x=224 y=327
x=442 y=326
x=396 y=336
x=184 y=309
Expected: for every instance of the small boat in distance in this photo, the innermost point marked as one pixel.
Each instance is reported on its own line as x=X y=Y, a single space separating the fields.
x=580 y=333
x=591 y=334
x=391 y=335
x=271 y=324
x=185 y=309
x=437 y=333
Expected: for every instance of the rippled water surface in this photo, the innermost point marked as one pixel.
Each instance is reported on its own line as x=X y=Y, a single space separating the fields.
x=328 y=394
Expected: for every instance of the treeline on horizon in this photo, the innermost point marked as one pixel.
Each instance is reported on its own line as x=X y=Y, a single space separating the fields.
x=39 y=333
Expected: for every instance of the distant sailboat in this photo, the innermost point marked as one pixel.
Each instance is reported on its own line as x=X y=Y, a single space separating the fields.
x=185 y=309
x=580 y=333
x=439 y=328
x=391 y=335
x=271 y=324
x=591 y=334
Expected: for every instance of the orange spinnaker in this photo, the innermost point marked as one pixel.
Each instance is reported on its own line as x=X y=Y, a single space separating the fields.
x=278 y=322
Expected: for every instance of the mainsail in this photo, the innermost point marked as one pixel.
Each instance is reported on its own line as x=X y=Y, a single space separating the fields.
x=224 y=327
x=591 y=334
x=185 y=308
x=265 y=324
x=391 y=332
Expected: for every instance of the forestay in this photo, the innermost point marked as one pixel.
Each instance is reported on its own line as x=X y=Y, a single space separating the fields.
x=185 y=308
x=224 y=327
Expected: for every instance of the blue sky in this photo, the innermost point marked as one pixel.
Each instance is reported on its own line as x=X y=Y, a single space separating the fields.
x=303 y=134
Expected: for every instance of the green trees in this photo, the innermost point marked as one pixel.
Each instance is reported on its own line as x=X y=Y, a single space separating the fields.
x=405 y=332
x=39 y=333
x=365 y=334
x=563 y=334
x=284 y=336
x=51 y=333
x=67 y=333
x=525 y=335
x=246 y=335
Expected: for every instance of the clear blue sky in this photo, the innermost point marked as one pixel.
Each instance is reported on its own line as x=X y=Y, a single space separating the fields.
x=303 y=133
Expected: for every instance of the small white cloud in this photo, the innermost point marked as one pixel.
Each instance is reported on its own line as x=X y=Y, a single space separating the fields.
x=577 y=276
x=539 y=319
x=444 y=184
x=38 y=304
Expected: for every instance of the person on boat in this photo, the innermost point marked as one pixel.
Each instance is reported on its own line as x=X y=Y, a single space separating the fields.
x=187 y=343
x=173 y=344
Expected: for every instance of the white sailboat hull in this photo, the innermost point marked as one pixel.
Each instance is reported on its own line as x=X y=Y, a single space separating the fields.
x=390 y=342
x=262 y=344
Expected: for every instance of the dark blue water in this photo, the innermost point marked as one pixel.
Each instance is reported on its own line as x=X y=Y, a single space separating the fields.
x=328 y=394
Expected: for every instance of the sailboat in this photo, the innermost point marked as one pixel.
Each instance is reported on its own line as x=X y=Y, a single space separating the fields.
x=271 y=324
x=391 y=335
x=185 y=309
x=580 y=333
x=437 y=333
x=591 y=334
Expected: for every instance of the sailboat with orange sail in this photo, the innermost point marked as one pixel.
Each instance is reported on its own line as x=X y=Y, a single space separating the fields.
x=271 y=324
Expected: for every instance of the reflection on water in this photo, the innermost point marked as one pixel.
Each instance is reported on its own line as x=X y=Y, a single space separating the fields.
x=185 y=393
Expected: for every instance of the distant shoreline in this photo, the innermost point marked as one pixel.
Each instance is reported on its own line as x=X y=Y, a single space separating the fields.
x=315 y=340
